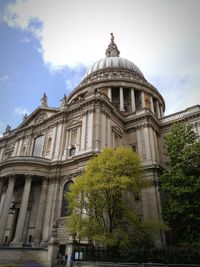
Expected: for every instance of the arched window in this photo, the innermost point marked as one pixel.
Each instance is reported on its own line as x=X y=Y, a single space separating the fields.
x=64 y=208
x=38 y=146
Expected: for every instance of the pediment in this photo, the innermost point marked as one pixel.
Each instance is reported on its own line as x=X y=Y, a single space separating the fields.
x=38 y=116
x=74 y=123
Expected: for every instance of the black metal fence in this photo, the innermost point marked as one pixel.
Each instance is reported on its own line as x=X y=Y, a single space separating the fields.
x=164 y=256
x=113 y=264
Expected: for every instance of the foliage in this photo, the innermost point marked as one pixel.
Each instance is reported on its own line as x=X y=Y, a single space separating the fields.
x=100 y=200
x=181 y=183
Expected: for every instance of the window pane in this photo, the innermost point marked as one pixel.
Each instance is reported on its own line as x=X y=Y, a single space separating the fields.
x=38 y=146
x=64 y=209
x=72 y=151
x=73 y=136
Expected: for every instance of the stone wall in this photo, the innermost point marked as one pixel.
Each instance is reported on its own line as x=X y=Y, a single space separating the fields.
x=14 y=255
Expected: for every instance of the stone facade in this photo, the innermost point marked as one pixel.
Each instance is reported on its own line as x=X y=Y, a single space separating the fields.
x=114 y=105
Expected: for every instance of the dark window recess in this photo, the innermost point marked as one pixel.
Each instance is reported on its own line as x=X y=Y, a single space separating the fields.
x=134 y=148
x=72 y=151
x=6 y=239
x=137 y=197
x=64 y=208
x=30 y=238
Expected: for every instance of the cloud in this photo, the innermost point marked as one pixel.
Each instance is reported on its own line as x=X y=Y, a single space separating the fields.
x=19 y=111
x=70 y=28
x=25 y=40
x=4 y=78
x=161 y=37
x=2 y=128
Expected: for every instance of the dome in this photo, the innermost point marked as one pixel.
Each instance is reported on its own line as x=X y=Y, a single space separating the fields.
x=113 y=62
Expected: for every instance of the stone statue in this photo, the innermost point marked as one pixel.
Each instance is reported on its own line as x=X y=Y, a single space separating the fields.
x=55 y=224
x=8 y=129
x=64 y=102
x=25 y=117
x=54 y=227
x=44 y=100
x=112 y=38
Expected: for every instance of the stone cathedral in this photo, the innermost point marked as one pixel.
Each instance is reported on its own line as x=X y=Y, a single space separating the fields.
x=114 y=105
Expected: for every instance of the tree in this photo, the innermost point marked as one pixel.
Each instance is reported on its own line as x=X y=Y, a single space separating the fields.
x=181 y=183
x=100 y=200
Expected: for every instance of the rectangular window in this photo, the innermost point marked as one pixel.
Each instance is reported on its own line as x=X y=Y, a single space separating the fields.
x=73 y=137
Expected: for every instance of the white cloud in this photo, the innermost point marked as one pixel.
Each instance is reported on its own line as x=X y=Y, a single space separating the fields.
x=161 y=37
x=25 y=40
x=19 y=111
x=2 y=128
x=4 y=78
x=77 y=31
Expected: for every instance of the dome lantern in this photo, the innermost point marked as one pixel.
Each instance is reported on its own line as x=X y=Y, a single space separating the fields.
x=112 y=50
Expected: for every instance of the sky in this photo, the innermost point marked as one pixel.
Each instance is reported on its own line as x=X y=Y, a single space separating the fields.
x=47 y=46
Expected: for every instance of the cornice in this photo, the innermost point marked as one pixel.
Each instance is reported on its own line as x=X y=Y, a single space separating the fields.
x=185 y=116
x=100 y=80
x=143 y=119
x=45 y=167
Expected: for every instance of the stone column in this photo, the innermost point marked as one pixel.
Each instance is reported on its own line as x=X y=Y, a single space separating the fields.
x=161 y=112
x=41 y=211
x=57 y=141
x=143 y=100
x=52 y=252
x=1 y=191
x=69 y=252
x=48 y=211
x=1 y=188
x=110 y=94
x=97 y=134
x=109 y=132
x=18 y=240
x=121 y=96
x=6 y=206
x=54 y=209
x=147 y=143
x=158 y=108
x=132 y=99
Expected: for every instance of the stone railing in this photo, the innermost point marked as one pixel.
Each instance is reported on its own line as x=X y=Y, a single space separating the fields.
x=181 y=114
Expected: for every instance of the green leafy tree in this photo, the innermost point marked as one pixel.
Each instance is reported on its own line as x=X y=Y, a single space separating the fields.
x=100 y=200
x=181 y=183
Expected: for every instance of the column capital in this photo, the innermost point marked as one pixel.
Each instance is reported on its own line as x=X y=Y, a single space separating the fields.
x=45 y=180
x=11 y=178
x=28 y=177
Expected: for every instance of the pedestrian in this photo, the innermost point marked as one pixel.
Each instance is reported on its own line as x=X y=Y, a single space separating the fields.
x=72 y=260
x=66 y=257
